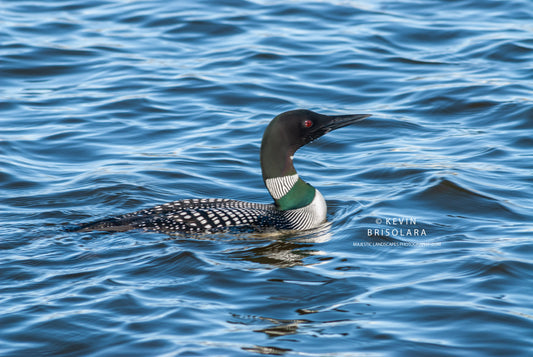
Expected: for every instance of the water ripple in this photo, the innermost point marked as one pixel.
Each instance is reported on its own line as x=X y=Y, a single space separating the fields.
x=108 y=107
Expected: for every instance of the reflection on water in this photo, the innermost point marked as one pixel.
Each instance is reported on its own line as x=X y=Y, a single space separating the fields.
x=289 y=250
x=279 y=248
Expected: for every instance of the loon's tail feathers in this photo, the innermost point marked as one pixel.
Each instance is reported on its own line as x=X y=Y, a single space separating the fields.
x=113 y=224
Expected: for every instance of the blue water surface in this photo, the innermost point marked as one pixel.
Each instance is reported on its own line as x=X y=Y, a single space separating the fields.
x=107 y=107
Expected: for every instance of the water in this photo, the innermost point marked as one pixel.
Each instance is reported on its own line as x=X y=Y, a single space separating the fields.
x=107 y=107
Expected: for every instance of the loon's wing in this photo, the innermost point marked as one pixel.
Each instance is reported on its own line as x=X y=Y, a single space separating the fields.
x=193 y=215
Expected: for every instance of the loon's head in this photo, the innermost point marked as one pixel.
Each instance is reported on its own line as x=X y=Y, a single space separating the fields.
x=299 y=127
x=291 y=130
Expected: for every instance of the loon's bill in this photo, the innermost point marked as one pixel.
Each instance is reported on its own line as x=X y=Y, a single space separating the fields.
x=297 y=205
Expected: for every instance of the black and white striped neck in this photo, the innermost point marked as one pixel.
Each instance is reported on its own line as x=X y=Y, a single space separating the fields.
x=298 y=200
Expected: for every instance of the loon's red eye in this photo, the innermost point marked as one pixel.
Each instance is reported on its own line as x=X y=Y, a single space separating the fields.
x=308 y=123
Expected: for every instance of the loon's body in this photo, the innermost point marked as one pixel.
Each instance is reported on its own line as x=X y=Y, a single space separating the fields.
x=297 y=205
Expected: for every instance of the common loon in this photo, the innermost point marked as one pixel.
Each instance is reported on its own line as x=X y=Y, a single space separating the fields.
x=297 y=205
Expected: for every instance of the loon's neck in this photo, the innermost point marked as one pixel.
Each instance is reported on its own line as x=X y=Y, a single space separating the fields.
x=290 y=192
x=287 y=189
